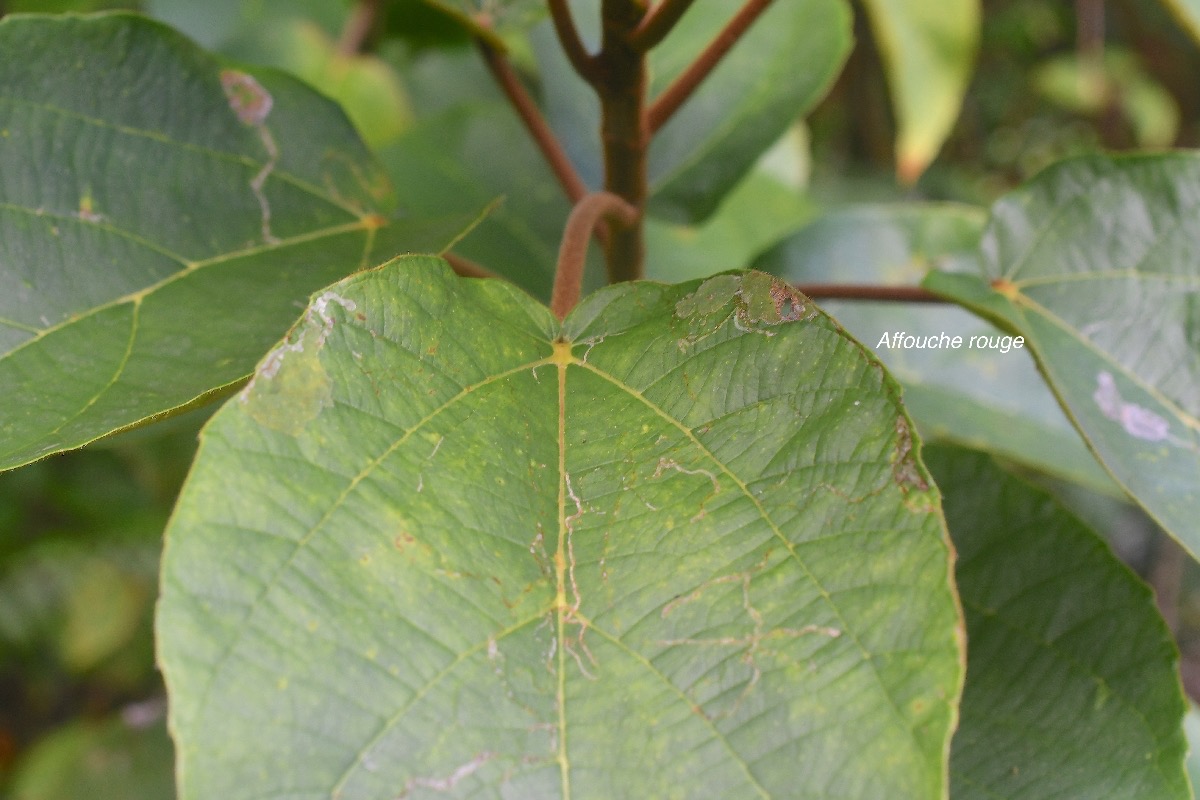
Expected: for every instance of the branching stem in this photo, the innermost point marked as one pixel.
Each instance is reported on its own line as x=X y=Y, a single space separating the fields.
x=572 y=253
x=586 y=64
x=658 y=22
x=359 y=27
x=675 y=95
x=552 y=150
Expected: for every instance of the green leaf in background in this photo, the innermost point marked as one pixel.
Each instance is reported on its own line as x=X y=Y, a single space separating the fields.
x=465 y=157
x=777 y=71
x=162 y=215
x=928 y=49
x=983 y=398
x=125 y=758
x=237 y=28
x=758 y=212
x=1187 y=12
x=1094 y=263
x=493 y=19
x=1111 y=81
x=86 y=600
x=1072 y=677
x=363 y=85
x=488 y=555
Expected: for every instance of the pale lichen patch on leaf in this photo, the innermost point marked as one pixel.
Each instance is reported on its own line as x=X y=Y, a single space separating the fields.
x=1137 y=421
x=710 y=297
x=755 y=302
x=291 y=387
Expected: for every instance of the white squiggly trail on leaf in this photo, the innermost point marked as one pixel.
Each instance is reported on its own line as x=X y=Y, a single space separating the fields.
x=252 y=103
x=751 y=645
x=452 y=780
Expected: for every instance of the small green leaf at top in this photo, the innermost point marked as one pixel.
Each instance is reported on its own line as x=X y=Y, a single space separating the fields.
x=163 y=214
x=928 y=49
x=1073 y=683
x=679 y=545
x=1093 y=263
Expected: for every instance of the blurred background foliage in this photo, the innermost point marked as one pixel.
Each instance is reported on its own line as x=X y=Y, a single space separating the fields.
x=981 y=103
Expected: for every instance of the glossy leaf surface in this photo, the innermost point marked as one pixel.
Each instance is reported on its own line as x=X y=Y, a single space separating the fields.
x=1072 y=677
x=480 y=554
x=1094 y=264
x=162 y=216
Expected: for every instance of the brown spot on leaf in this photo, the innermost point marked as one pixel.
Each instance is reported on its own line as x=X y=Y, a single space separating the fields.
x=904 y=461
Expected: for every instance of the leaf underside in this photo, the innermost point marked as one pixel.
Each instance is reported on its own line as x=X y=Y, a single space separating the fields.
x=1094 y=264
x=443 y=546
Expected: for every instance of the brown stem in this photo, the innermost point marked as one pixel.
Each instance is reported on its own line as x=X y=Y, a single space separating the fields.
x=1166 y=577
x=359 y=26
x=527 y=110
x=851 y=291
x=466 y=267
x=1089 y=33
x=586 y=64
x=622 y=92
x=675 y=95
x=658 y=22
x=572 y=253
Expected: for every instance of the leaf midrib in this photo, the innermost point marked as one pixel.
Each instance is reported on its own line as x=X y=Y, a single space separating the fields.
x=192 y=267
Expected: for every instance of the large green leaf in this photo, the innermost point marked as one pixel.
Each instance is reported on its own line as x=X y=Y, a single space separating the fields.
x=1072 y=677
x=928 y=48
x=162 y=216
x=780 y=69
x=984 y=398
x=1094 y=264
x=679 y=546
